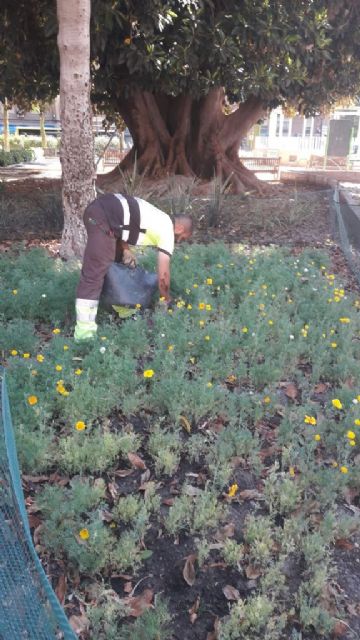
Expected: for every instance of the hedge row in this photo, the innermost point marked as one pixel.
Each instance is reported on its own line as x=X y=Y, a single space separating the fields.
x=15 y=156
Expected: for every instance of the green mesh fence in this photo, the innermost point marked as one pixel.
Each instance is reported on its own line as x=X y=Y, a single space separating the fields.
x=29 y=608
x=345 y=221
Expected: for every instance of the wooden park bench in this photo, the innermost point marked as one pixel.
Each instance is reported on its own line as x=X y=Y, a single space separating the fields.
x=262 y=165
x=329 y=162
x=113 y=157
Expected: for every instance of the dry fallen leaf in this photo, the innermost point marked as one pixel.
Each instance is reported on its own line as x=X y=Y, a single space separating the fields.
x=231 y=593
x=60 y=589
x=320 y=387
x=138 y=604
x=252 y=572
x=291 y=391
x=136 y=461
x=123 y=473
x=225 y=532
x=251 y=494
x=185 y=423
x=189 y=570
x=340 y=629
x=79 y=623
x=343 y=543
x=194 y=609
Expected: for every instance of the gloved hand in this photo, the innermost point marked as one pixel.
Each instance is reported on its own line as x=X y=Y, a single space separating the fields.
x=129 y=259
x=86 y=327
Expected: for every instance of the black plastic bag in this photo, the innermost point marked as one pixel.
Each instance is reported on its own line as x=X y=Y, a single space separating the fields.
x=128 y=287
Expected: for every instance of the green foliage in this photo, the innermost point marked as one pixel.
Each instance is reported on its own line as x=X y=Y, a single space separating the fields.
x=15 y=156
x=152 y=625
x=80 y=452
x=214 y=413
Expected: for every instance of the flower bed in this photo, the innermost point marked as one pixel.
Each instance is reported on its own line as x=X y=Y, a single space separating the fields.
x=187 y=472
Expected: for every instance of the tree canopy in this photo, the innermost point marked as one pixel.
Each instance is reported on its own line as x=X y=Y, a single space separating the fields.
x=302 y=52
x=186 y=64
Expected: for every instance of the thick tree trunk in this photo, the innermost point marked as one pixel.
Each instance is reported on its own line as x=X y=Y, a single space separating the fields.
x=6 y=125
x=190 y=137
x=77 y=143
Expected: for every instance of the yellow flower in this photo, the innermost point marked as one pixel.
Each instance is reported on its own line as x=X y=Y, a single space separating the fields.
x=148 y=373
x=317 y=437
x=334 y=464
x=244 y=330
x=192 y=360
x=14 y=292
x=336 y=403
x=358 y=398
x=127 y=40
x=56 y=331
x=292 y=472
x=201 y=323
x=267 y=400
x=66 y=347
x=80 y=425
x=78 y=372
x=34 y=372
x=58 y=367
x=270 y=322
x=207 y=338
x=186 y=257
x=209 y=384
x=40 y=358
x=201 y=306
x=233 y=489
x=13 y=352
x=170 y=347
x=344 y=469
x=344 y=320
x=32 y=400
x=352 y=443
x=189 y=307
x=84 y=534
x=333 y=345
x=103 y=338
x=261 y=306
x=209 y=280
x=208 y=307
x=26 y=355
x=195 y=285
x=357 y=422
x=351 y=435
x=310 y=420
x=219 y=265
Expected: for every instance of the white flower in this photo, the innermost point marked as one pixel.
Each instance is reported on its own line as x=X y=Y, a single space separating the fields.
x=162 y=335
x=253 y=334
x=306 y=270
x=291 y=337
x=355 y=401
x=102 y=349
x=43 y=295
x=314 y=289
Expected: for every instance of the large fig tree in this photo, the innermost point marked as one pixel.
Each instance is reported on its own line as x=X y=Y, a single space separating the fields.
x=190 y=77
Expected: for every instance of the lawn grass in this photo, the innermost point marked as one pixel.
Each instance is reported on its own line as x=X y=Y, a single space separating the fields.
x=223 y=432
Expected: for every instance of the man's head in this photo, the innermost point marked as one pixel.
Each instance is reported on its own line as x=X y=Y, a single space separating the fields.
x=183 y=227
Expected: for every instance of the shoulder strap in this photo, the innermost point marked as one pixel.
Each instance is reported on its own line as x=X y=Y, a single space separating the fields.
x=134 y=224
